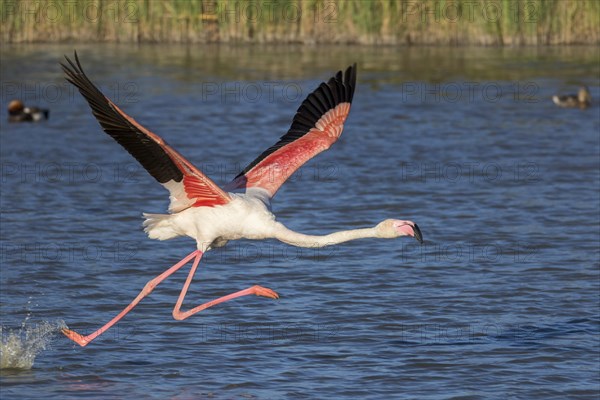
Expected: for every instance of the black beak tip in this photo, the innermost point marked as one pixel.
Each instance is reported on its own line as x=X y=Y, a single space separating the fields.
x=418 y=234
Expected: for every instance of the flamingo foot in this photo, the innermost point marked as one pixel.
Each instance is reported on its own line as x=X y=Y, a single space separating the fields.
x=76 y=337
x=265 y=292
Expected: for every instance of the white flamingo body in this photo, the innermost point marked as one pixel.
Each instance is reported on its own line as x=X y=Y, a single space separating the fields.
x=246 y=216
x=212 y=216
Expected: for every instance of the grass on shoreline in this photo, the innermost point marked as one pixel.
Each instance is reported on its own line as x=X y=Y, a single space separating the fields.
x=391 y=22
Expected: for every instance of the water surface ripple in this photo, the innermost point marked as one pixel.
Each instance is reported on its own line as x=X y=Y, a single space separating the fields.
x=501 y=301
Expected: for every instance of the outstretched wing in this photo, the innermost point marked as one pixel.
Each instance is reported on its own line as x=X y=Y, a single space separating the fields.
x=188 y=186
x=318 y=123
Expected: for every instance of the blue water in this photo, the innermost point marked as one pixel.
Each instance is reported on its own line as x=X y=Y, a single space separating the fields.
x=502 y=301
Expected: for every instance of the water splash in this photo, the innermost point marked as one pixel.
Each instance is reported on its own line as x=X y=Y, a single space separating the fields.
x=20 y=347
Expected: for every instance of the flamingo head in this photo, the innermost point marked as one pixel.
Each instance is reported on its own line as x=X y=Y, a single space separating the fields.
x=393 y=228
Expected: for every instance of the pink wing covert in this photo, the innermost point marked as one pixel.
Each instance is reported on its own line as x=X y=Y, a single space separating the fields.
x=188 y=186
x=318 y=123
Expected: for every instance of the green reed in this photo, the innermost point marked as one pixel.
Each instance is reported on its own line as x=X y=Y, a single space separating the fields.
x=392 y=22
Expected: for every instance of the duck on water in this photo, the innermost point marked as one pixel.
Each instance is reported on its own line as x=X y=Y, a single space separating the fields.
x=582 y=99
x=17 y=112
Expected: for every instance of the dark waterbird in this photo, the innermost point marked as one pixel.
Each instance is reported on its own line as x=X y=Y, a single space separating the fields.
x=17 y=112
x=582 y=99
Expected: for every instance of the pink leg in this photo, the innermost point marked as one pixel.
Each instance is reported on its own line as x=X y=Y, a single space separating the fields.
x=84 y=340
x=179 y=315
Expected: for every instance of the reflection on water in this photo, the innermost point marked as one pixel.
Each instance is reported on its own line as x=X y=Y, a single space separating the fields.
x=378 y=64
x=502 y=299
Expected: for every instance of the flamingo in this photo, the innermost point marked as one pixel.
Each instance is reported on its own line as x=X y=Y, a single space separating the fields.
x=211 y=215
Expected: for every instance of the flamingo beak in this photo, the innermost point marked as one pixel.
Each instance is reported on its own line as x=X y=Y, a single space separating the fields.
x=418 y=234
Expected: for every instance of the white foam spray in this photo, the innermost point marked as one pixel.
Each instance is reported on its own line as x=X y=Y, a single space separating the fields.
x=20 y=347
